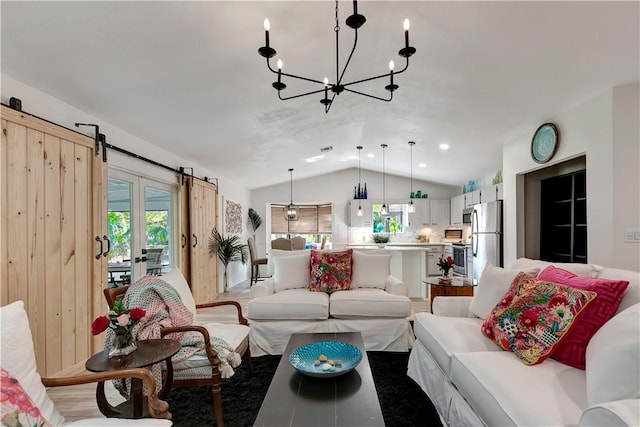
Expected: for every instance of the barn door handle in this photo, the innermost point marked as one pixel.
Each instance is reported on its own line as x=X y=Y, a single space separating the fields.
x=196 y=240
x=108 y=245
x=184 y=240
x=99 y=240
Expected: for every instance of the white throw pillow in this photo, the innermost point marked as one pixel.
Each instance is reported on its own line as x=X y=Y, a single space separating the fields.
x=292 y=272
x=612 y=369
x=179 y=283
x=277 y=253
x=583 y=270
x=19 y=359
x=492 y=286
x=370 y=270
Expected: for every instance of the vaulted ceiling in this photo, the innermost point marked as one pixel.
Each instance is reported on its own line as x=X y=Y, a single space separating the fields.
x=187 y=76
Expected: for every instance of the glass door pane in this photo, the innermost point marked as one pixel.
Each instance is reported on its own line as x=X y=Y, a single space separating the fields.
x=119 y=227
x=158 y=210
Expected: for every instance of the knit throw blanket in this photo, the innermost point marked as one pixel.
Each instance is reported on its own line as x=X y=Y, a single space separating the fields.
x=164 y=308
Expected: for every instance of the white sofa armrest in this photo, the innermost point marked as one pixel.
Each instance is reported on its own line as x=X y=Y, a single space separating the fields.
x=262 y=289
x=451 y=306
x=395 y=286
x=617 y=413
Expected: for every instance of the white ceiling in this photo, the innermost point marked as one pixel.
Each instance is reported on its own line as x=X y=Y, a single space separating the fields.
x=187 y=76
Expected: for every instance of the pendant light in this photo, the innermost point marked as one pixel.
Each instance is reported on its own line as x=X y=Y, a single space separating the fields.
x=292 y=210
x=360 y=213
x=412 y=207
x=383 y=210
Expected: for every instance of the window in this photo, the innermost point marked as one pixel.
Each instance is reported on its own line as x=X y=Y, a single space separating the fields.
x=314 y=224
x=392 y=222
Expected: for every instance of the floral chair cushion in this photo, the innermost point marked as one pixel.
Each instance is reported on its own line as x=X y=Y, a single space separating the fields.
x=16 y=407
x=330 y=271
x=534 y=316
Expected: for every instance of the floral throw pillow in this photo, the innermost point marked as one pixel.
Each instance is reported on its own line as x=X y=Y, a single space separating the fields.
x=534 y=316
x=16 y=407
x=330 y=271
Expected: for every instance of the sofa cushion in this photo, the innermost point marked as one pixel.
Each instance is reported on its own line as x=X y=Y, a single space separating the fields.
x=504 y=392
x=18 y=358
x=574 y=345
x=493 y=285
x=233 y=334
x=330 y=271
x=368 y=303
x=586 y=270
x=277 y=253
x=291 y=272
x=534 y=317
x=619 y=413
x=290 y=304
x=370 y=270
x=612 y=369
x=445 y=336
x=632 y=296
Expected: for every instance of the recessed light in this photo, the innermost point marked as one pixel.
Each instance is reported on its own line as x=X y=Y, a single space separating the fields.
x=422 y=165
x=314 y=158
x=371 y=155
x=444 y=146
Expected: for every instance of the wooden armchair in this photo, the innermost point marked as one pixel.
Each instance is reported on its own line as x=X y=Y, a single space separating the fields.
x=200 y=369
x=19 y=363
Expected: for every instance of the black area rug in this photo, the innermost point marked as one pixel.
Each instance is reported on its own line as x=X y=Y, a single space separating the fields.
x=402 y=401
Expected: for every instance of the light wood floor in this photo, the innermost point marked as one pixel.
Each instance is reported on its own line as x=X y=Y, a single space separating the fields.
x=78 y=402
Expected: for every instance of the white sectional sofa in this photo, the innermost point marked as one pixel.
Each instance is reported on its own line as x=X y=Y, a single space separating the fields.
x=376 y=305
x=473 y=382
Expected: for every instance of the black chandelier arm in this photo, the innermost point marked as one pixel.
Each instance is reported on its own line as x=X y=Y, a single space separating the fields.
x=300 y=95
x=293 y=76
x=371 y=96
x=387 y=75
x=353 y=49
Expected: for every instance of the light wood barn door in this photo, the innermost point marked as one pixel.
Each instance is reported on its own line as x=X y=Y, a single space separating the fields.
x=51 y=211
x=203 y=204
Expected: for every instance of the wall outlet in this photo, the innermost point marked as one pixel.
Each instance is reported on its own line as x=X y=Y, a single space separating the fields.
x=631 y=235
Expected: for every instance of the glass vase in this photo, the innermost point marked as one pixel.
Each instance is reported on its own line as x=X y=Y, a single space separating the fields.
x=123 y=343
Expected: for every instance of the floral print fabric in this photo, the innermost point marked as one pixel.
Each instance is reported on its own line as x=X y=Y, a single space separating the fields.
x=330 y=271
x=17 y=409
x=534 y=316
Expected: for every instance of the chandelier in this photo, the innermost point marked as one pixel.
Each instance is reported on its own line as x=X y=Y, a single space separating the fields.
x=292 y=210
x=354 y=21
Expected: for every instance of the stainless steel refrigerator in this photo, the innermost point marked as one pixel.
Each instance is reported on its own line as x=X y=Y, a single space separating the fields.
x=486 y=236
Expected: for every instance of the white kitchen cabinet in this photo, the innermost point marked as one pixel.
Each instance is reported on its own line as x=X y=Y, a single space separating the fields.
x=422 y=215
x=457 y=206
x=491 y=193
x=469 y=262
x=472 y=198
x=440 y=212
x=352 y=212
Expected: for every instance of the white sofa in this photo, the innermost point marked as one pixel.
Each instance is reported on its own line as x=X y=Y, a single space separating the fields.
x=472 y=381
x=377 y=305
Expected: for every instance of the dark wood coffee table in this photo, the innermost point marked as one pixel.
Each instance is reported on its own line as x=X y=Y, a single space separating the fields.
x=149 y=352
x=294 y=399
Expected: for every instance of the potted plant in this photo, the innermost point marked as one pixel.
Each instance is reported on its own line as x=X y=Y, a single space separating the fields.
x=255 y=221
x=229 y=249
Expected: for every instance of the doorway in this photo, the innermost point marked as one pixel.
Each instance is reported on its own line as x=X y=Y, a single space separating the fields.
x=141 y=217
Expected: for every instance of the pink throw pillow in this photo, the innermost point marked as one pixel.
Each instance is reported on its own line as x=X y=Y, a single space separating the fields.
x=571 y=351
x=534 y=317
x=16 y=406
x=330 y=271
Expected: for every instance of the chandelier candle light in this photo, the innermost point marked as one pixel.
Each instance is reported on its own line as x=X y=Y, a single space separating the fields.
x=412 y=207
x=354 y=21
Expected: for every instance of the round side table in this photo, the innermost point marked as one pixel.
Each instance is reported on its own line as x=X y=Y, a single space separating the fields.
x=149 y=352
x=452 y=286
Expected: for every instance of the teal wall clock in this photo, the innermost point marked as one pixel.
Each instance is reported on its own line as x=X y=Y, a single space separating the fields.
x=544 y=143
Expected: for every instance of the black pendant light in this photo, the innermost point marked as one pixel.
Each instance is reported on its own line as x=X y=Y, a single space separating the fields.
x=412 y=207
x=293 y=213
x=384 y=209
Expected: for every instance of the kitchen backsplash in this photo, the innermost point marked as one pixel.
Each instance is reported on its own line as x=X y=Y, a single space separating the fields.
x=358 y=235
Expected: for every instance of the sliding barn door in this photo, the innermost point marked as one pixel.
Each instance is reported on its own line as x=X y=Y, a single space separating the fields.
x=203 y=208
x=52 y=223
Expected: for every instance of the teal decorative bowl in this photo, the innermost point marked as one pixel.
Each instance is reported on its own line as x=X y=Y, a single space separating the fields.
x=304 y=358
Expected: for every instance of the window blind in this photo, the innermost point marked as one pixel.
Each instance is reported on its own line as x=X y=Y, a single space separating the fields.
x=313 y=219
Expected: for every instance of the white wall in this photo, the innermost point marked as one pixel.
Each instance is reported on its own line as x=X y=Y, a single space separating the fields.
x=52 y=109
x=604 y=129
x=337 y=188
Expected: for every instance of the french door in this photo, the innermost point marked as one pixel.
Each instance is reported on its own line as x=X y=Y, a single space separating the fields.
x=141 y=227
